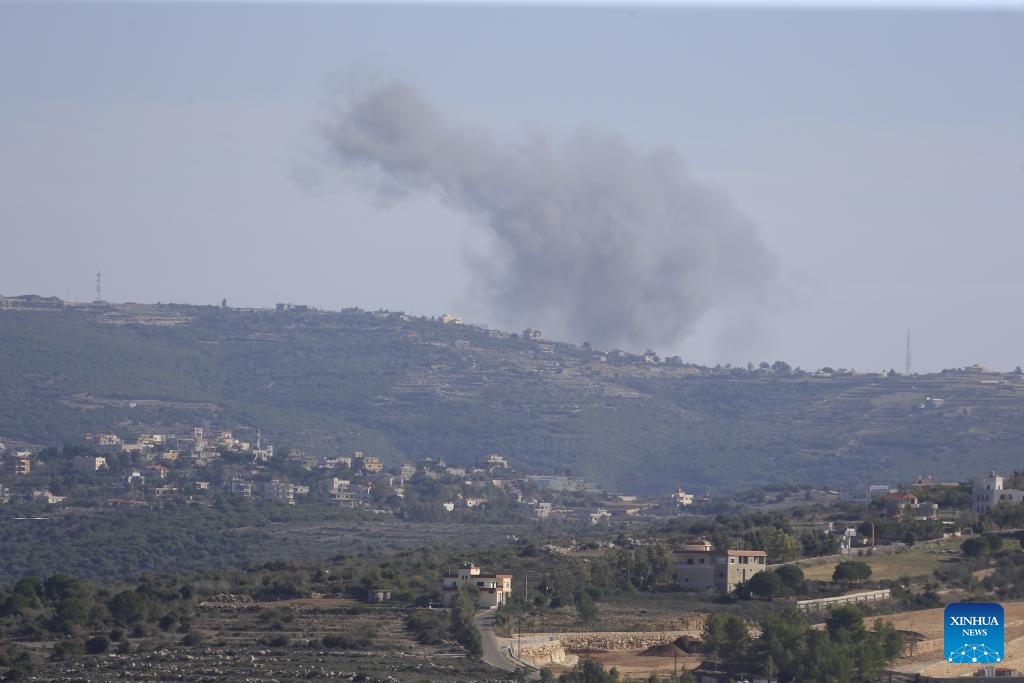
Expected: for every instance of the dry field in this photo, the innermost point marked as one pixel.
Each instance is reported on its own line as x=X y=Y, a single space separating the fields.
x=926 y=656
x=919 y=561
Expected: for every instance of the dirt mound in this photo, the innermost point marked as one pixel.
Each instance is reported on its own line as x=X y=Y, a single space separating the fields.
x=682 y=645
x=666 y=650
x=689 y=644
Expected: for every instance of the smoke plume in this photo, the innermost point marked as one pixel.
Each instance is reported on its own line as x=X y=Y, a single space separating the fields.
x=593 y=238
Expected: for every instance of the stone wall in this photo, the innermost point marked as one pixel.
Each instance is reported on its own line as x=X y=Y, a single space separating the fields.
x=625 y=640
x=545 y=654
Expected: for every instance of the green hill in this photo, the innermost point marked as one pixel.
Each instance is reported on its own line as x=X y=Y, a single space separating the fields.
x=409 y=388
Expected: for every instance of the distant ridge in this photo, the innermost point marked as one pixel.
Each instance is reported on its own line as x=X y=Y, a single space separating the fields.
x=407 y=388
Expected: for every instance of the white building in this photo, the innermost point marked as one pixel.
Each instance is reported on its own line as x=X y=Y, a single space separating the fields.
x=989 y=492
x=492 y=589
x=682 y=499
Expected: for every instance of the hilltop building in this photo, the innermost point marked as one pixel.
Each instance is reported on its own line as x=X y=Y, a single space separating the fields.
x=989 y=492
x=699 y=567
x=492 y=589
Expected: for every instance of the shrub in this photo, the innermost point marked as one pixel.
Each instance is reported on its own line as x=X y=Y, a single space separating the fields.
x=194 y=638
x=97 y=645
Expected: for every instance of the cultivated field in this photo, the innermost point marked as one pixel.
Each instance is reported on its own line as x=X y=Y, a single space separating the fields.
x=279 y=641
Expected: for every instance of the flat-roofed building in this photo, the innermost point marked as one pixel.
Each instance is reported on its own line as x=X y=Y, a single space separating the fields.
x=699 y=567
x=493 y=590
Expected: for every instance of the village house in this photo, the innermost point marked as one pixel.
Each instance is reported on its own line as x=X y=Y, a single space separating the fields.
x=594 y=516
x=496 y=461
x=156 y=470
x=132 y=480
x=366 y=463
x=5 y=494
x=46 y=496
x=896 y=504
x=240 y=486
x=104 y=443
x=21 y=464
x=164 y=490
x=136 y=447
x=682 y=499
x=699 y=567
x=281 y=491
x=493 y=590
x=843 y=534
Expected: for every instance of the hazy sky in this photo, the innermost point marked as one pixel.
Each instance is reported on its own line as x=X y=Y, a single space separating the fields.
x=874 y=161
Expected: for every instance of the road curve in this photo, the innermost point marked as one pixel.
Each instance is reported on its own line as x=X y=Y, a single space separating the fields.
x=494 y=649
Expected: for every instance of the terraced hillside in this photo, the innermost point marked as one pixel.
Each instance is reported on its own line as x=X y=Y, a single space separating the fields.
x=409 y=388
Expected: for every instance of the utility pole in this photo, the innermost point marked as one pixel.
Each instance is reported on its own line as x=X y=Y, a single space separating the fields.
x=907 y=365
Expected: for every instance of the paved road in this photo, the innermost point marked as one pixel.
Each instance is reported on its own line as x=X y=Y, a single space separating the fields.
x=493 y=647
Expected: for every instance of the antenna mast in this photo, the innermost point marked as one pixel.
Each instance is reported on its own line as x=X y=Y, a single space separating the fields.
x=99 y=288
x=908 y=355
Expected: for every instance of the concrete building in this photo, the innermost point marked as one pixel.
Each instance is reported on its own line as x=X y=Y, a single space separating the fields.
x=865 y=495
x=21 y=464
x=240 y=486
x=496 y=461
x=989 y=492
x=368 y=464
x=699 y=567
x=492 y=589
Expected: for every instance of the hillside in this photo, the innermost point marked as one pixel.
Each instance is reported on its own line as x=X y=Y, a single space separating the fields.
x=409 y=388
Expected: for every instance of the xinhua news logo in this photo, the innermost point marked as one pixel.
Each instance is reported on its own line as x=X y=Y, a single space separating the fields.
x=973 y=633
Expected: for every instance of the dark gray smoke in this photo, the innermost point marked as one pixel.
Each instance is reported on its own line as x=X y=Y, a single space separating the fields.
x=593 y=238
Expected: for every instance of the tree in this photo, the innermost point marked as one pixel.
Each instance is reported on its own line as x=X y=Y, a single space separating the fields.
x=851 y=571
x=792 y=577
x=782 y=645
x=726 y=638
x=587 y=608
x=766 y=585
x=845 y=622
x=127 y=607
x=781 y=546
x=974 y=547
x=463 y=627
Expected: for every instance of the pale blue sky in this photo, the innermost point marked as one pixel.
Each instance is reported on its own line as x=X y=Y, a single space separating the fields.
x=879 y=153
